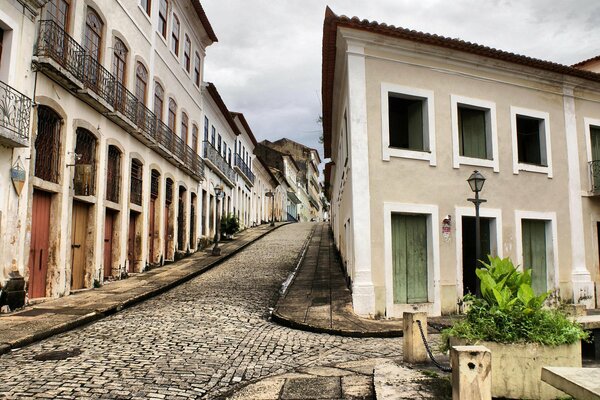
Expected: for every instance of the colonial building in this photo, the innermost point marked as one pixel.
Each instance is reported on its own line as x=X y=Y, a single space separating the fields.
x=243 y=163
x=407 y=118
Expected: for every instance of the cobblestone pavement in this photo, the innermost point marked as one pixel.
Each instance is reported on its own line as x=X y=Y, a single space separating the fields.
x=200 y=339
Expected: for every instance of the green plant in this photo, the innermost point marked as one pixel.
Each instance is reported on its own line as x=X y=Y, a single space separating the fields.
x=230 y=224
x=509 y=311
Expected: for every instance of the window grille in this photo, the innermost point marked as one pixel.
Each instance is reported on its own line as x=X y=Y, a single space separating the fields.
x=47 y=144
x=113 y=176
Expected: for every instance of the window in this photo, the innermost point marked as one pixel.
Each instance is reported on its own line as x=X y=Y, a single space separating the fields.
x=531 y=141
x=175 y=35
x=212 y=135
x=47 y=144
x=159 y=95
x=592 y=137
x=206 y=129
x=162 y=17
x=58 y=11
x=93 y=34
x=84 y=181
x=141 y=82
x=113 y=176
x=184 y=127
x=119 y=68
x=474 y=134
x=229 y=157
x=224 y=149
x=219 y=144
x=197 y=69
x=172 y=117
x=407 y=121
x=147 y=6
x=187 y=51
x=135 y=190
x=195 y=138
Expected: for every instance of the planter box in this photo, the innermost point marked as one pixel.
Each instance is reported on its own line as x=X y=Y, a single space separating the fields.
x=517 y=368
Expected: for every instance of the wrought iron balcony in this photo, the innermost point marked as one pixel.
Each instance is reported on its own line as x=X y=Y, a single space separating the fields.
x=65 y=61
x=595 y=176
x=219 y=164
x=15 y=110
x=244 y=170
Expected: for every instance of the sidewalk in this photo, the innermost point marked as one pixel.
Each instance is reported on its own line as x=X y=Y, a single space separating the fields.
x=49 y=318
x=318 y=299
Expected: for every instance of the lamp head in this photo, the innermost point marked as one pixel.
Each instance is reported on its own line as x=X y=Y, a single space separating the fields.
x=476 y=181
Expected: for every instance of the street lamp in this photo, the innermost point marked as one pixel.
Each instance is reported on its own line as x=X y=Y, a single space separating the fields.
x=219 y=194
x=271 y=194
x=476 y=181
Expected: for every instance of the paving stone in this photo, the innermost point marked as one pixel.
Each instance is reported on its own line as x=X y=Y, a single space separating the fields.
x=312 y=388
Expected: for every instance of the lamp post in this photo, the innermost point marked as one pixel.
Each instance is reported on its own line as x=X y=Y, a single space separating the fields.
x=219 y=193
x=271 y=194
x=476 y=181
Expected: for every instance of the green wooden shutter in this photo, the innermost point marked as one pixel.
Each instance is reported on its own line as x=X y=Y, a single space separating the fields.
x=415 y=125
x=595 y=141
x=472 y=133
x=409 y=253
x=534 y=252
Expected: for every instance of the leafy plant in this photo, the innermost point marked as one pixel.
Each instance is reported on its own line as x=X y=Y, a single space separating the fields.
x=230 y=224
x=509 y=311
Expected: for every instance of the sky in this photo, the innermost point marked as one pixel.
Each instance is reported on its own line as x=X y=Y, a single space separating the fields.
x=267 y=62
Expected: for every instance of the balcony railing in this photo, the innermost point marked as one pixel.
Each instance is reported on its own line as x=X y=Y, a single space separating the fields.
x=78 y=70
x=245 y=169
x=595 y=175
x=215 y=158
x=15 y=110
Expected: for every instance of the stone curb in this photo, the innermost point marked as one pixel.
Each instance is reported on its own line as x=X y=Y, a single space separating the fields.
x=97 y=315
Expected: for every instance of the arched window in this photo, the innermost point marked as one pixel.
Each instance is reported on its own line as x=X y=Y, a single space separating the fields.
x=93 y=34
x=159 y=95
x=187 y=53
x=195 y=138
x=119 y=60
x=184 y=127
x=58 y=11
x=113 y=174
x=84 y=182
x=175 y=35
x=141 y=82
x=135 y=192
x=172 y=117
x=162 y=17
x=47 y=144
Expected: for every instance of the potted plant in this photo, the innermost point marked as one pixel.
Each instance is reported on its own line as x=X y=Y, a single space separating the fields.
x=230 y=225
x=521 y=332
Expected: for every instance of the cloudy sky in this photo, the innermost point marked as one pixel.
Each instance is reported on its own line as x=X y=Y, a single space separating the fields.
x=267 y=63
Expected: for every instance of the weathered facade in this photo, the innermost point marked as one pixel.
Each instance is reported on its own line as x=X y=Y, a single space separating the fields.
x=407 y=118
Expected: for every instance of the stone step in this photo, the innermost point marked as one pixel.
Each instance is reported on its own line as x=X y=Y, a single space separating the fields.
x=393 y=381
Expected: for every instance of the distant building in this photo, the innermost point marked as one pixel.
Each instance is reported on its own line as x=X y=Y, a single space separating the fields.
x=407 y=117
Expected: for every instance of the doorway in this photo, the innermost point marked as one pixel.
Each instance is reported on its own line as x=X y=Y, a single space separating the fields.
x=78 y=244
x=469 y=260
x=38 y=251
x=109 y=229
x=132 y=251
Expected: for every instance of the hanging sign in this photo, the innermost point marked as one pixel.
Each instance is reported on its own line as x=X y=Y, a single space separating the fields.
x=17 y=175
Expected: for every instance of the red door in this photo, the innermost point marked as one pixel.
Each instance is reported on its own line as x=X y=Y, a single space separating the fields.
x=38 y=251
x=108 y=243
x=131 y=242
x=151 y=231
x=166 y=218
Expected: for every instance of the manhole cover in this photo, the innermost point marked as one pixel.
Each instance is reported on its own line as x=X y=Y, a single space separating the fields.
x=57 y=355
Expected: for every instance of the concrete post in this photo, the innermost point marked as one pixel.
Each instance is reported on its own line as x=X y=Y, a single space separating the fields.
x=471 y=373
x=413 y=347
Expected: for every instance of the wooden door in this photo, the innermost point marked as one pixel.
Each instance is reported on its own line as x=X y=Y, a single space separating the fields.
x=151 y=231
x=534 y=252
x=109 y=221
x=78 y=239
x=38 y=251
x=409 y=254
x=131 y=242
x=166 y=235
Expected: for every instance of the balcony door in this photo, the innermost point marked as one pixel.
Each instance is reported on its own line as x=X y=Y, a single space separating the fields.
x=58 y=11
x=93 y=34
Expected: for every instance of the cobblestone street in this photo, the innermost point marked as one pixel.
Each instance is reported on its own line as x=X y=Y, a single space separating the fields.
x=200 y=339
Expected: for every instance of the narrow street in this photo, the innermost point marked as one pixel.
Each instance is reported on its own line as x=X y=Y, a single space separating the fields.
x=200 y=339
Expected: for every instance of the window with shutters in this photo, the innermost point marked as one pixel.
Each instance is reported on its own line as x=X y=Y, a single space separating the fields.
x=184 y=127
x=195 y=138
x=407 y=124
x=141 y=82
x=187 y=53
x=531 y=141
x=163 y=8
x=175 y=27
x=159 y=96
x=474 y=136
x=172 y=117
x=535 y=252
x=197 y=69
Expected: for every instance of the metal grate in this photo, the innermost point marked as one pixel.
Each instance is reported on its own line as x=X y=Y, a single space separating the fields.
x=15 y=109
x=154 y=184
x=84 y=182
x=136 y=182
x=47 y=144
x=169 y=191
x=113 y=178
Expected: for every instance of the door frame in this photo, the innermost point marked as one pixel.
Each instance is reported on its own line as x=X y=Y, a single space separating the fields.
x=495 y=216
x=434 y=305
x=551 y=243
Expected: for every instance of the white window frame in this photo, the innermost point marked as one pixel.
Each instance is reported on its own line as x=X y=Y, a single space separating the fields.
x=551 y=237
x=542 y=115
x=428 y=123
x=491 y=132
x=588 y=123
x=496 y=241
x=434 y=306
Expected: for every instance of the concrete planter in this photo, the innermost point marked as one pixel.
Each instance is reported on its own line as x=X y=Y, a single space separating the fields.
x=517 y=368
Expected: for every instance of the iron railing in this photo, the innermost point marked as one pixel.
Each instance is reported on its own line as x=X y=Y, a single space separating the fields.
x=135 y=196
x=15 y=110
x=244 y=168
x=595 y=175
x=56 y=44
x=211 y=154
